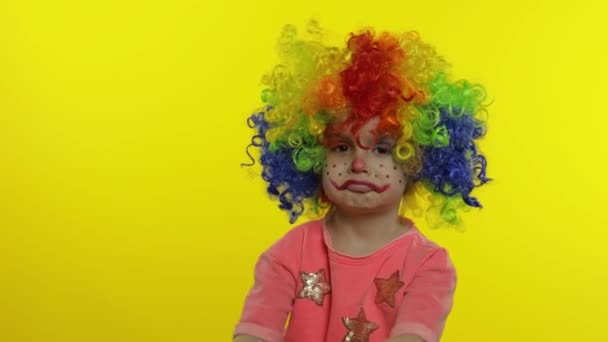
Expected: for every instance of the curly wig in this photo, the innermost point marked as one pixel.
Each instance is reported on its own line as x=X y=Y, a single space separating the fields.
x=318 y=88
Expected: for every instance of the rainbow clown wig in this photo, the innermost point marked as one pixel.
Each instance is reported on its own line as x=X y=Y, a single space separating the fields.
x=396 y=77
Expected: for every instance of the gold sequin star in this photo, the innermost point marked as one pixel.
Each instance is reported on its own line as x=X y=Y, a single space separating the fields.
x=359 y=328
x=387 y=288
x=315 y=286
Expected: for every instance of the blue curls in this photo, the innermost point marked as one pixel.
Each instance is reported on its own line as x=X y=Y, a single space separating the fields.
x=285 y=182
x=458 y=167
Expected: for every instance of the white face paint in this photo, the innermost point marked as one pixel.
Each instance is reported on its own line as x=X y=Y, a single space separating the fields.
x=364 y=179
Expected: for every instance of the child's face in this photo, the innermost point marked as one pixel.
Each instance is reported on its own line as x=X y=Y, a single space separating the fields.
x=362 y=179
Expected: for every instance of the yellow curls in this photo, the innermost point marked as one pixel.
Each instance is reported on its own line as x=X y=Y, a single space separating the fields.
x=414 y=200
x=273 y=134
x=299 y=85
x=404 y=151
x=445 y=210
x=315 y=127
x=421 y=61
x=436 y=210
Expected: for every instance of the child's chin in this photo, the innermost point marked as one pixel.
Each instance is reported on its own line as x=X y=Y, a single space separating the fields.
x=358 y=205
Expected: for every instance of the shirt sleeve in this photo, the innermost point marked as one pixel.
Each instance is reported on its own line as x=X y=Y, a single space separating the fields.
x=428 y=299
x=270 y=300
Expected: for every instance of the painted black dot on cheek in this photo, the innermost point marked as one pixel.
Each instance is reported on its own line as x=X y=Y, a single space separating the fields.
x=333 y=166
x=400 y=181
x=381 y=165
x=327 y=173
x=387 y=177
x=339 y=174
x=394 y=168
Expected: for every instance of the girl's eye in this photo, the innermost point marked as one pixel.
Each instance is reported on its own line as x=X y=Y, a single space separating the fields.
x=382 y=150
x=341 y=148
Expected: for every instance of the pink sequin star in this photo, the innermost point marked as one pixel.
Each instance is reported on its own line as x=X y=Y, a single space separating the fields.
x=314 y=286
x=359 y=328
x=387 y=288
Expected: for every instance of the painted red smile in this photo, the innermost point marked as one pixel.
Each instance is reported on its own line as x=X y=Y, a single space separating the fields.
x=360 y=186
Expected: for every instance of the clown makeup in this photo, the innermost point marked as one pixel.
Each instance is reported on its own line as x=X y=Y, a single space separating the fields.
x=362 y=176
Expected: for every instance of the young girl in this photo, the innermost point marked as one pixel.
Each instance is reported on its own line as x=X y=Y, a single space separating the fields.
x=349 y=133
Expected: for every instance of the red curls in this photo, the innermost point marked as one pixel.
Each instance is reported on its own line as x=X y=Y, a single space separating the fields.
x=372 y=83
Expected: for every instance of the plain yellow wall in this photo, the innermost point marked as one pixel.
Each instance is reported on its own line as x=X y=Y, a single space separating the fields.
x=125 y=216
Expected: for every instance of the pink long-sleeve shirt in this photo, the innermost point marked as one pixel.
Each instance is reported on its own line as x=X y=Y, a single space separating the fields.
x=405 y=287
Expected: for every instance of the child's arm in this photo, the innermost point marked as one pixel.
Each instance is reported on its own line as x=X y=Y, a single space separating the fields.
x=246 y=338
x=270 y=300
x=427 y=301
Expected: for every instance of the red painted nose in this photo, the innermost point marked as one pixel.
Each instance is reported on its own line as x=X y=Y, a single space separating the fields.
x=358 y=165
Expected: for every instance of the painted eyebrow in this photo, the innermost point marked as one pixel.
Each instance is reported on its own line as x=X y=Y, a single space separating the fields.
x=386 y=140
x=340 y=136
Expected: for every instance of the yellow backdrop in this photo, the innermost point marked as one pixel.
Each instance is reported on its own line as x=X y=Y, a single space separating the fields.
x=125 y=216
